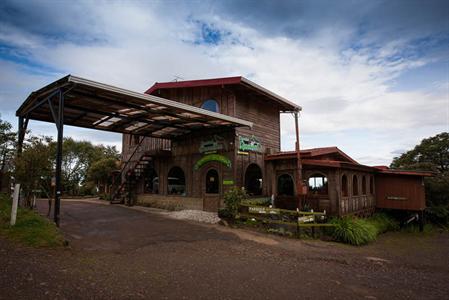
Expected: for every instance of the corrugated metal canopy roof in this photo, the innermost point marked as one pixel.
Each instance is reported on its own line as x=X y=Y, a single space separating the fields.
x=95 y=105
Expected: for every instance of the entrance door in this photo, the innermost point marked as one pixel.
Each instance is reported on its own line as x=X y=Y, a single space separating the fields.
x=211 y=191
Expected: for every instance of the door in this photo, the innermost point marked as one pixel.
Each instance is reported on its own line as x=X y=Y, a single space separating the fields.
x=211 y=191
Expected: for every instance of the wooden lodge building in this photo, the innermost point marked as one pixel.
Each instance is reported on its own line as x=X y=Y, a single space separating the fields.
x=194 y=170
x=187 y=143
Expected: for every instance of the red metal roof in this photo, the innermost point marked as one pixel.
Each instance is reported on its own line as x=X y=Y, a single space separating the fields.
x=236 y=80
x=386 y=170
x=194 y=83
x=311 y=157
x=309 y=153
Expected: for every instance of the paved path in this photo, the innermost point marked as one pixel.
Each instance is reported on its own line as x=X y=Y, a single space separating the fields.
x=121 y=253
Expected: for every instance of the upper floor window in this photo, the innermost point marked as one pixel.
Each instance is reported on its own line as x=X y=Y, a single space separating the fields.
x=211 y=105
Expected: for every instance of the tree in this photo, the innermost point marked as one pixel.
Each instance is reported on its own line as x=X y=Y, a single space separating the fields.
x=431 y=154
x=34 y=168
x=77 y=157
x=100 y=172
x=7 y=147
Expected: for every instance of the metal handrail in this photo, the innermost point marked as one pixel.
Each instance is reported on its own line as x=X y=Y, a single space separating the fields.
x=124 y=168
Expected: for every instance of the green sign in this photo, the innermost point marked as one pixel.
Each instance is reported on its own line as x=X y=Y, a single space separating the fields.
x=249 y=144
x=228 y=182
x=212 y=145
x=212 y=157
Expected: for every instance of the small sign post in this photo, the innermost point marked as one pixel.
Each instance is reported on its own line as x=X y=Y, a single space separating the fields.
x=15 y=203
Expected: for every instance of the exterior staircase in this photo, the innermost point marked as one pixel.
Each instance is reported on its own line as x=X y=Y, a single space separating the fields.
x=130 y=173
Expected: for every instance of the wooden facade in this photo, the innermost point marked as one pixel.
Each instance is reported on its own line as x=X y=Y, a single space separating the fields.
x=214 y=160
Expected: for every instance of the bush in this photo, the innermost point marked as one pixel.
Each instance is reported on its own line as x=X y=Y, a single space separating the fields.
x=233 y=198
x=438 y=214
x=383 y=222
x=224 y=213
x=266 y=201
x=353 y=231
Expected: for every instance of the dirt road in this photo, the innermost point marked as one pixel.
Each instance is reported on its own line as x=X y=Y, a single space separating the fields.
x=120 y=253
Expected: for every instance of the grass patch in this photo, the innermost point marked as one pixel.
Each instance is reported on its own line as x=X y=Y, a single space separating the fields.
x=355 y=231
x=31 y=229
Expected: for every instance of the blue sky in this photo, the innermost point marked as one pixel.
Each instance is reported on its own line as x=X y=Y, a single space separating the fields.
x=372 y=76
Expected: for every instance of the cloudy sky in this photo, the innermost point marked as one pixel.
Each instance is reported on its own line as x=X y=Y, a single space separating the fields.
x=372 y=76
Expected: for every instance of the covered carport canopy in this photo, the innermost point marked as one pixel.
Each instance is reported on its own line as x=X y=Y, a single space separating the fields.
x=95 y=105
x=85 y=103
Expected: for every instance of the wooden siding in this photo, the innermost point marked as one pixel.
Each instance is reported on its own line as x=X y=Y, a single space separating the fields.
x=400 y=192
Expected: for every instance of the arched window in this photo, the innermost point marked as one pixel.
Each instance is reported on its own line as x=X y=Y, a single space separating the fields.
x=355 y=185
x=318 y=184
x=285 y=185
x=371 y=185
x=253 y=180
x=151 y=181
x=344 y=186
x=176 y=182
x=363 y=185
x=212 y=182
x=211 y=105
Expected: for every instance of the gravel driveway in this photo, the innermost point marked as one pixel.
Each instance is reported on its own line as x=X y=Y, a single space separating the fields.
x=121 y=253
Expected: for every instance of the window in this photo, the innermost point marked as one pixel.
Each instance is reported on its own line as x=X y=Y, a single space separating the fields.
x=344 y=186
x=212 y=182
x=210 y=105
x=285 y=185
x=355 y=185
x=176 y=182
x=318 y=184
x=253 y=180
x=151 y=181
x=363 y=185
x=371 y=185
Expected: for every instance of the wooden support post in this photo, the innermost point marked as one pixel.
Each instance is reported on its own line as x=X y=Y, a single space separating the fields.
x=421 y=221
x=60 y=127
x=298 y=162
x=15 y=202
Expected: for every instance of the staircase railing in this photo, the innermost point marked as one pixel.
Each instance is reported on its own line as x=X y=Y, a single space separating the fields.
x=124 y=167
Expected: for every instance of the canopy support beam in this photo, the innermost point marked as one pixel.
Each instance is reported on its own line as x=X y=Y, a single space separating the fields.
x=60 y=127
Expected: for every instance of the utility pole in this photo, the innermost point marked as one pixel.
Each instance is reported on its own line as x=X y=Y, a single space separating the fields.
x=299 y=185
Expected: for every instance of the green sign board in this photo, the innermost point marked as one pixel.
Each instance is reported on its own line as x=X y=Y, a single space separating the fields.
x=228 y=182
x=212 y=157
x=249 y=144
x=212 y=145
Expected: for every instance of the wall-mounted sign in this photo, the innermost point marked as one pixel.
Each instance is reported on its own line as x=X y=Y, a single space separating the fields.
x=228 y=182
x=212 y=157
x=213 y=144
x=397 y=198
x=249 y=144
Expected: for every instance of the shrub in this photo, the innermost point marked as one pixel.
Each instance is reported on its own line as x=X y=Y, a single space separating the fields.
x=233 y=198
x=224 y=213
x=438 y=214
x=353 y=231
x=383 y=222
x=266 y=201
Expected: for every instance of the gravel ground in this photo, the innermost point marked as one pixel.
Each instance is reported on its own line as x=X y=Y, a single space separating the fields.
x=195 y=215
x=121 y=253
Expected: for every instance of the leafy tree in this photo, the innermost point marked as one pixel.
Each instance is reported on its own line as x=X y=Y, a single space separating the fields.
x=34 y=168
x=100 y=173
x=431 y=154
x=77 y=158
x=7 y=148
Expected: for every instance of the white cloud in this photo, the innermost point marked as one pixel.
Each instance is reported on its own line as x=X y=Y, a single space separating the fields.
x=342 y=90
